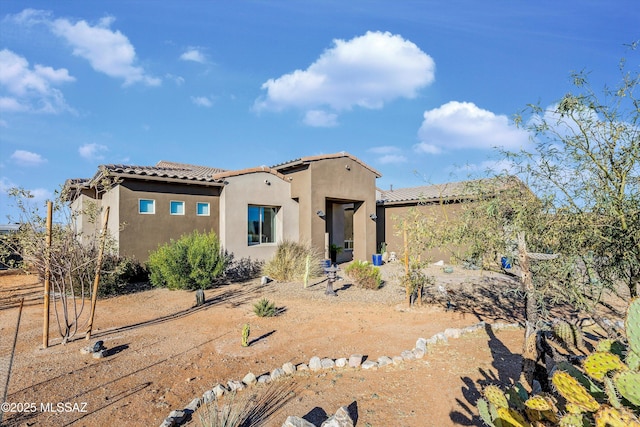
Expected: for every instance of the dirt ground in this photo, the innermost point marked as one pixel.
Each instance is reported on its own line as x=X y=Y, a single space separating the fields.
x=162 y=352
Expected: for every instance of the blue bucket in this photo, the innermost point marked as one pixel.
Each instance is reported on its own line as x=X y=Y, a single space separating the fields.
x=377 y=259
x=326 y=263
x=505 y=262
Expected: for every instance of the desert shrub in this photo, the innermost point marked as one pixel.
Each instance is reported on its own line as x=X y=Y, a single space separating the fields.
x=364 y=275
x=195 y=261
x=243 y=269
x=121 y=275
x=264 y=308
x=290 y=262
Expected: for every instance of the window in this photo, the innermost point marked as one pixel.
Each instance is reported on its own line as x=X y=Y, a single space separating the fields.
x=146 y=206
x=262 y=224
x=177 y=208
x=202 y=209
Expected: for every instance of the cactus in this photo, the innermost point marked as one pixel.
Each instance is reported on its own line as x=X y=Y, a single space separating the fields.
x=574 y=392
x=598 y=364
x=246 y=329
x=628 y=384
x=607 y=396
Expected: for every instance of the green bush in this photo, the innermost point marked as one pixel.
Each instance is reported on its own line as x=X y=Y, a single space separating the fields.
x=264 y=308
x=364 y=275
x=290 y=261
x=121 y=275
x=195 y=261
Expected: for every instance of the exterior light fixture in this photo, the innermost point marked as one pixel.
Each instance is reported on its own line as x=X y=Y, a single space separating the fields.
x=320 y=214
x=373 y=216
x=347 y=167
x=266 y=181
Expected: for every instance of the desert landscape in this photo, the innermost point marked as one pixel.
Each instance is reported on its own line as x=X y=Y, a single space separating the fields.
x=162 y=351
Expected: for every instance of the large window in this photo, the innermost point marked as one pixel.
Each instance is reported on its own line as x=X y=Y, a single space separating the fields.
x=202 y=209
x=262 y=224
x=176 y=208
x=146 y=206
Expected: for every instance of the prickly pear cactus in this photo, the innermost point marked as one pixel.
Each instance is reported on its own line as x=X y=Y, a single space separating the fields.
x=612 y=417
x=496 y=396
x=574 y=392
x=600 y=363
x=628 y=384
x=632 y=326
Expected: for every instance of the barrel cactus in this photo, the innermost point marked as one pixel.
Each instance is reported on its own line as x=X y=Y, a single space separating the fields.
x=605 y=392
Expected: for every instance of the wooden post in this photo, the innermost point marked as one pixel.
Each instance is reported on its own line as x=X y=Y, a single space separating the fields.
x=96 y=280
x=406 y=263
x=529 y=351
x=47 y=276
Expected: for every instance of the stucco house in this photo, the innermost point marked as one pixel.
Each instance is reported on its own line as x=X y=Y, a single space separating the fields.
x=322 y=200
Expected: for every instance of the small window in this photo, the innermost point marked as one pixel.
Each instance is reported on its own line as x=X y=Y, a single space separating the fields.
x=177 y=208
x=202 y=209
x=262 y=225
x=146 y=206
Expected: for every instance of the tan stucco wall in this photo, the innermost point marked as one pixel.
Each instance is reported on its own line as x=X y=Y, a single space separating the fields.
x=340 y=179
x=141 y=233
x=391 y=216
x=251 y=189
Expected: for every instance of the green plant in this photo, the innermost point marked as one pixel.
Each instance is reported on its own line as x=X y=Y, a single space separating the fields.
x=364 y=275
x=246 y=330
x=121 y=275
x=264 y=308
x=195 y=261
x=606 y=392
x=289 y=263
x=334 y=251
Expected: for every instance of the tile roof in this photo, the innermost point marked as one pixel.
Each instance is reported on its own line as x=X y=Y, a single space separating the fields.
x=448 y=190
x=309 y=159
x=164 y=169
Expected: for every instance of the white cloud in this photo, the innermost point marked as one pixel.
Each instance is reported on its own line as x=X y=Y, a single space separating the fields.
x=463 y=125
x=109 y=52
x=30 y=17
x=27 y=158
x=389 y=154
x=92 y=151
x=178 y=80
x=202 y=101
x=366 y=71
x=193 y=54
x=30 y=89
x=319 y=118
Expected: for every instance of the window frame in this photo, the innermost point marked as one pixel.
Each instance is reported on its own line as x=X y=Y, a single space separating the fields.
x=207 y=204
x=153 y=207
x=274 y=225
x=177 y=203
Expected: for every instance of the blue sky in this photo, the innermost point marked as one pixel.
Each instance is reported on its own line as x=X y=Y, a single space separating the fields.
x=420 y=90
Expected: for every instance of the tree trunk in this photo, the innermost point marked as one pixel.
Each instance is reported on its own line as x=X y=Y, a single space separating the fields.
x=530 y=350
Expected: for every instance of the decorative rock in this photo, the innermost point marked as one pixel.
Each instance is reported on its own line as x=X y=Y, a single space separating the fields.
x=397 y=360
x=315 y=364
x=440 y=337
x=296 y=422
x=277 y=373
x=302 y=367
x=327 y=363
x=408 y=355
x=178 y=416
x=219 y=390
x=342 y=362
x=369 y=364
x=452 y=333
x=193 y=405
x=234 y=385
x=264 y=379
x=355 y=360
x=98 y=354
x=208 y=396
x=168 y=422
x=249 y=379
x=418 y=353
x=86 y=350
x=421 y=344
x=384 y=360
x=342 y=418
x=289 y=368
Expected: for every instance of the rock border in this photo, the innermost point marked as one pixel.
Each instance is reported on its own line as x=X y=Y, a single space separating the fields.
x=178 y=417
